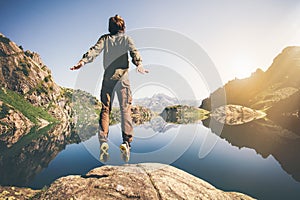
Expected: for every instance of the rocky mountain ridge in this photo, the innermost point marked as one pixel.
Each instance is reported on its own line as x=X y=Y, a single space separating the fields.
x=268 y=91
x=24 y=73
x=30 y=97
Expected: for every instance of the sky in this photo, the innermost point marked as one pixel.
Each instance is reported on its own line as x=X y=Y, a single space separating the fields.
x=238 y=36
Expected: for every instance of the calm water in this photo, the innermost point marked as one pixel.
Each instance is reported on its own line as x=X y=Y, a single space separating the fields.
x=259 y=159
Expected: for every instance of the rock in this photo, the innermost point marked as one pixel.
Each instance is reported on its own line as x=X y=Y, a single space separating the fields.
x=25 y=74
x=35 y=57
x=17 y=193
x=236 y=114
x=136 y=181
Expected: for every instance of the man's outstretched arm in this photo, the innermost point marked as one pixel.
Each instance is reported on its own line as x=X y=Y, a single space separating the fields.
x=91 y=54
x=136 y=57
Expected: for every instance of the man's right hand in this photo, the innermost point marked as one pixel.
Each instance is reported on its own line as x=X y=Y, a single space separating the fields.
x=78 y=65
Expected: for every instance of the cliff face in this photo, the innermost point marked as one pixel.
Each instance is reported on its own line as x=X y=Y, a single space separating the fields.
x=29 y=96
x=25 y=73
x=267 y=90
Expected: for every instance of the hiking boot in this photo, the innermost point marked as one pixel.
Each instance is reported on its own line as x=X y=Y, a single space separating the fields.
x=104 y=155
x=125 y=151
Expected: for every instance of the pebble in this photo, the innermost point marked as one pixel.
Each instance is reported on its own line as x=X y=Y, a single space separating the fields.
x=119 y=188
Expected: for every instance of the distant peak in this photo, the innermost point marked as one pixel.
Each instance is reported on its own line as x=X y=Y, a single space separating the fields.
x=160 y=95
x=8 y=47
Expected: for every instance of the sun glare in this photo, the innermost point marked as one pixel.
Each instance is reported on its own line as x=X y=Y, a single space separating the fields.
x=242 y=67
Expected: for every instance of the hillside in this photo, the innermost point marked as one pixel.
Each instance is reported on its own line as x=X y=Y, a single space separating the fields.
x=29 y=96
x=276 y=91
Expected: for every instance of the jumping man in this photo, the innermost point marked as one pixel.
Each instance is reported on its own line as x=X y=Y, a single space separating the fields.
x=115 y=46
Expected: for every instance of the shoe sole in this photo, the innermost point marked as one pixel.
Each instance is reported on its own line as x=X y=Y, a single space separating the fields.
x=104 y=148
x=125 y=153
x=123 y=148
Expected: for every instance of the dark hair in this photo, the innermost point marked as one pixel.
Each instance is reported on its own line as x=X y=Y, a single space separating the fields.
x=116 y=24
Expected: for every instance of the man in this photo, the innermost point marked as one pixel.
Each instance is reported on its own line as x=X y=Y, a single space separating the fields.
x=115 y=47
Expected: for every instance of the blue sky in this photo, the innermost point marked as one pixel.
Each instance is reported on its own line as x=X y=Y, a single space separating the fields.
x=239 y=36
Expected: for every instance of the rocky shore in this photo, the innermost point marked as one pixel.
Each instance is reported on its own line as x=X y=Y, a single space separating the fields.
x=131 y=181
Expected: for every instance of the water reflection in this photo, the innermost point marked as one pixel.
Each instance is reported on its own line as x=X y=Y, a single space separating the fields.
x=266 y=138
x=22 y=161
x=27 y=157
x=281 y=139
x=158 y=124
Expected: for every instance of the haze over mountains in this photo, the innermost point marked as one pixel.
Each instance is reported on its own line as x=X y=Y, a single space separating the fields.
x=160 y=101
x=275 y=91
x=23 y=75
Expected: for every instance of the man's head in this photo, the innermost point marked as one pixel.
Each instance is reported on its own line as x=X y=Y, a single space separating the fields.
x=116 y=24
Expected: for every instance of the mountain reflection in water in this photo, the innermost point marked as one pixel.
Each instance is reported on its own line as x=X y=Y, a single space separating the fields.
x=31 y=156
x=266 y=138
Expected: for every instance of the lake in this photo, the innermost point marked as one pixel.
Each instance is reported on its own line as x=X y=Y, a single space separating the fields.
x=258 y=158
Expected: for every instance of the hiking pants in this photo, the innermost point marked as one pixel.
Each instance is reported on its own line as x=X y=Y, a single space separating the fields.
x=122 y=88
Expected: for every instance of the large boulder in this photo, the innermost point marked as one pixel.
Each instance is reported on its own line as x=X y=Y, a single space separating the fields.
x=136 y=181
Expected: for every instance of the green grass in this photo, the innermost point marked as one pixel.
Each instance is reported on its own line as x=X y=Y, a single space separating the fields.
x=18 y=102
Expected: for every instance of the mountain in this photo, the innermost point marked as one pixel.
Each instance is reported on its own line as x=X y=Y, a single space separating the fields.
x=159 y=101
x=29 y=96
x=275 y=91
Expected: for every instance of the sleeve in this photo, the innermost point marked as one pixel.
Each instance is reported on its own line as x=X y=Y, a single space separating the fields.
x=94 y=51
x=134 y=53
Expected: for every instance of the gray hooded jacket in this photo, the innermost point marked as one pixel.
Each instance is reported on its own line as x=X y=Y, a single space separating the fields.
x=115 y=54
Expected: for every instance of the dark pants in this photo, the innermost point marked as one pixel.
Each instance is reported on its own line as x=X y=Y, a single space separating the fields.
x=122 y=88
